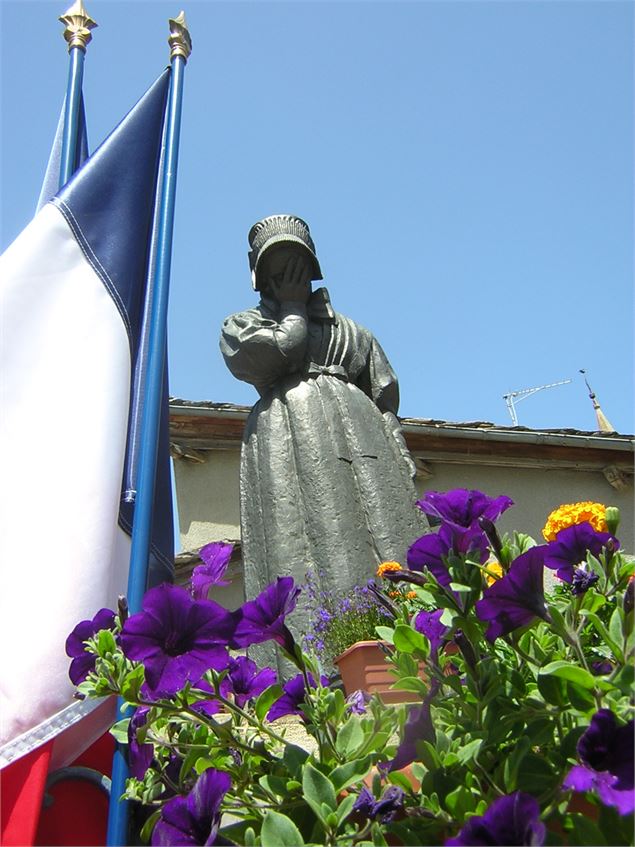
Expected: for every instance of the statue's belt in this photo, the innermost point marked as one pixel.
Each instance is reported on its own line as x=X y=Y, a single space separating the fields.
x=312 y=371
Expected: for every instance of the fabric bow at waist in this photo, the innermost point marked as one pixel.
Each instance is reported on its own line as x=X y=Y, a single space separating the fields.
x=313 y=371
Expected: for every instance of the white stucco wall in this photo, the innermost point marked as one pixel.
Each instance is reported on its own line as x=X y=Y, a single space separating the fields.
x=535 y=492
x=208 y=494
x=208 y=498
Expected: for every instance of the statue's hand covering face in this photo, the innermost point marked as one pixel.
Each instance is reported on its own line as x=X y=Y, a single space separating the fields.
x=285 y=272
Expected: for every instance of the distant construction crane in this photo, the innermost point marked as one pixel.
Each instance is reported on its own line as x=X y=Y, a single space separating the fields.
x=515 y=397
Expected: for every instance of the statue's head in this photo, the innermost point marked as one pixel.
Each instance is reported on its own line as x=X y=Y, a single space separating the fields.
x=278 y=231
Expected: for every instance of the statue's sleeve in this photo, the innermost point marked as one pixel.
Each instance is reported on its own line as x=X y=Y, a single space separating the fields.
x=260 y=350
x=384 y=391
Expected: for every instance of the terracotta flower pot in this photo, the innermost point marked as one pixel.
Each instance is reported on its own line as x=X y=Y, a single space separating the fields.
x=363 y=666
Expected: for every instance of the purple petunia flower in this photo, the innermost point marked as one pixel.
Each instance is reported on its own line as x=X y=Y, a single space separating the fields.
x=430 y=550
x=209 y=706
x=606 y=752
x=245 y=681
x=602 y=667
x=510 y=820
x=177 y=638
x=215 y=558
x=194 y=819
x=517 y=598
x=429 y=624
x=83 y=663
x=263 y=618
x=139 y=755
x=461 y=508
x=382 y=810
x=294 y=695
x=571 y=546
x=418 y=727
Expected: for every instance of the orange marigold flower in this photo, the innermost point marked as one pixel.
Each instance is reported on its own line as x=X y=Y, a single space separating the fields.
x=385 y=567
x=411 y=595
x=496 y=568
x=570 y=514
x=394 y=593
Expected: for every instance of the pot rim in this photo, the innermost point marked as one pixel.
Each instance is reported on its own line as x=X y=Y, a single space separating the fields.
x=374 y=642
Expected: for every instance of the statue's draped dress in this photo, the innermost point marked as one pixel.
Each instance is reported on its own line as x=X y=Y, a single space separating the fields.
x=325 y=479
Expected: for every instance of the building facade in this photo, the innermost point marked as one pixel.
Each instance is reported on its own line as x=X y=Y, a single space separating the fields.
x=538 y=469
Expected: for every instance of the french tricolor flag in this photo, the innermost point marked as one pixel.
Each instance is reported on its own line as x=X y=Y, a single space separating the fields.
x=74 y=297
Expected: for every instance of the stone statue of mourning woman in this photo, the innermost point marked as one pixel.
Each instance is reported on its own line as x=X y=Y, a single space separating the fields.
x=326 y=480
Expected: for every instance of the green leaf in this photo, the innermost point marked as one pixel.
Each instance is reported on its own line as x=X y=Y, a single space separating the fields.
x=350 y=737
x=580 y=698
x=552 y=689
x=266 y=700
x=400 y=779
x=427 y=754
x=536 y=775
x=412 y=683
x=513 y=762
x=604 y=634
x=318 y=789
x=146 y=830
x=345 y=807
x=470 y=750
x=350 y=772
x=373 y=741
x=518 y=683
x=385 y=633
x=274 y=784
x=448 y=616
x=279 y=831
x=558 y=622
x=408 y=639
x=106 y=642
x=625 y=679
x=294 y=757
x=584 y=831
x=459 y=802
x=378 y=836
x=592 y=602
x=119 y=731
x=615 y=626
x=458 y=586
x=132 y=683
x=564 y=670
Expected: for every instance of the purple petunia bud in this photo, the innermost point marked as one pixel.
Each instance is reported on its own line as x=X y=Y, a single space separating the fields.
x=612 y=518
x=122 y=608
x=493 y=537
x=405 y=576
x=583 y=580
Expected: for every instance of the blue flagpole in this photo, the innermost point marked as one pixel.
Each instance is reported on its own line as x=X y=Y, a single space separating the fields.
x=77 y=34
x=180 y=44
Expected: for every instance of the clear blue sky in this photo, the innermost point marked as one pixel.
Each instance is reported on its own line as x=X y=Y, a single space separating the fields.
x=466 y=169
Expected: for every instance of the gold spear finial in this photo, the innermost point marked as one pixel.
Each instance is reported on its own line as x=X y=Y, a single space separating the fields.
x=78 y=26
x=179 y=38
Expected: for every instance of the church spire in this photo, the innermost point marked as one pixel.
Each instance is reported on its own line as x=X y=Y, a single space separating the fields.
x=604 y=425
